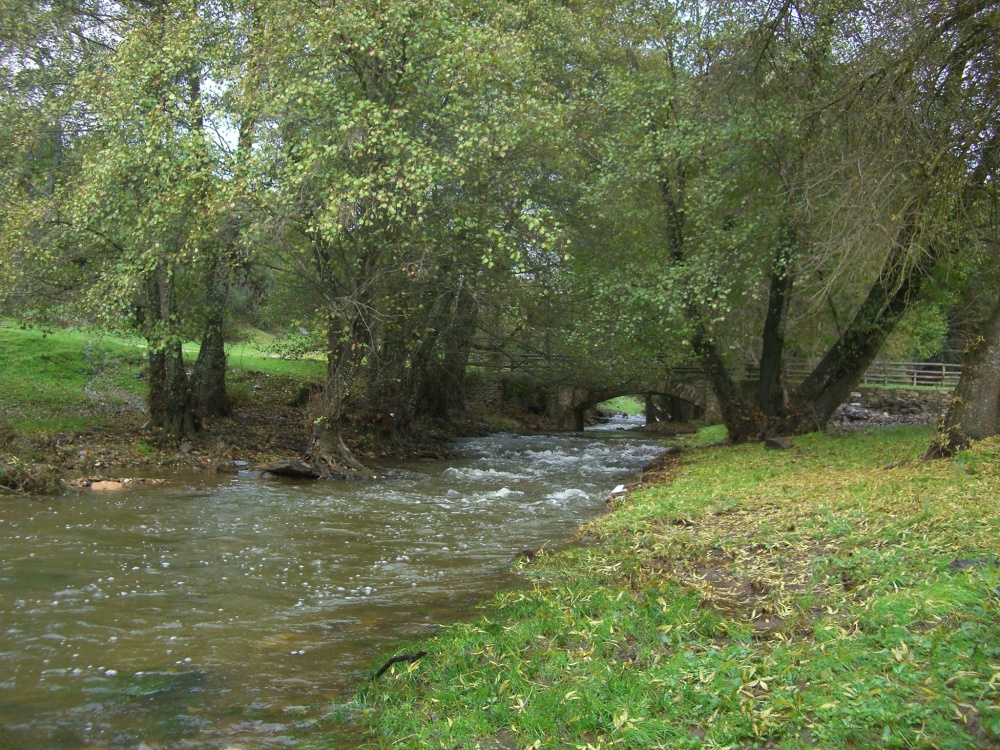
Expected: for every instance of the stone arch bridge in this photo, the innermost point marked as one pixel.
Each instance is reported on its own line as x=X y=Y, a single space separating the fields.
x=684 y=395
x=680 y=394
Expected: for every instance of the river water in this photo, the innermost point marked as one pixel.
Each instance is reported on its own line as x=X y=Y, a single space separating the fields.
x=231 y=611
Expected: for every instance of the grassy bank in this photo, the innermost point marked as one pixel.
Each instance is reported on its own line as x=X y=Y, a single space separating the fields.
x=72 y=403
x=839 y=594
x=624 y=404
x=70 y=379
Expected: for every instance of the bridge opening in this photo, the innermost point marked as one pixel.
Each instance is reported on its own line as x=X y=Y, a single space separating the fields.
x=620 y=412
x=656 y=408
x=667 y=401
x=661 y=407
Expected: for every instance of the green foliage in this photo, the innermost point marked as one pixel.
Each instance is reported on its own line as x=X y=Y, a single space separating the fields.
x=807 y=598
x=609 y=188
x=624 y=404
x=920 y=335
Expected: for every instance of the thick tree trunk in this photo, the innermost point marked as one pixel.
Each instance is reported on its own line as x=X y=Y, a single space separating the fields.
x=974 y=412
x=743 y=420
x=170 y=404
x=327 y=449
x=169 y=395
x=654 y=413
x=771 y=387
x=209 y=381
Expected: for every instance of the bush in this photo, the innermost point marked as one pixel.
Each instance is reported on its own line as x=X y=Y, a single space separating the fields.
x=19 y=477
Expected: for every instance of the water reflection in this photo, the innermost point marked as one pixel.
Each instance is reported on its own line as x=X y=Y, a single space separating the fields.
x=228 y=612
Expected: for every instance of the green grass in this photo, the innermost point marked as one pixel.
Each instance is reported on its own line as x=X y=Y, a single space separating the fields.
x=47 y=380
x=67 y=378
x=711 y=435
x=624 y=404
x=839 y=594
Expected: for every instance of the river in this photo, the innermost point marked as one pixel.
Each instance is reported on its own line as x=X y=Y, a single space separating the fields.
x=231 y=611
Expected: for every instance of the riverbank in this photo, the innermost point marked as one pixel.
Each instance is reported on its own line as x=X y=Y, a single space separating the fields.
x=839 y=594
x=72 y=409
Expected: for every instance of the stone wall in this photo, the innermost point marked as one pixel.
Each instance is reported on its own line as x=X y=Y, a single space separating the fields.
x=504 y=391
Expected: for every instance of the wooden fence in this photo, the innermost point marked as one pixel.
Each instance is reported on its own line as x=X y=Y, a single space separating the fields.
x=913 y=374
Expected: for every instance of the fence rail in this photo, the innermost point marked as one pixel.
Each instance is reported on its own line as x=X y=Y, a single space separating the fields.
x=913 y=374
x=935 y=374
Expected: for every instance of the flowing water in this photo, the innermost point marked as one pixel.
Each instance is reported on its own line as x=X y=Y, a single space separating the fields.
x=231 y=611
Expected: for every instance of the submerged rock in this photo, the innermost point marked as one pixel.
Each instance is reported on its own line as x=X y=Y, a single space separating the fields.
x=108 y=486
x=292 y=469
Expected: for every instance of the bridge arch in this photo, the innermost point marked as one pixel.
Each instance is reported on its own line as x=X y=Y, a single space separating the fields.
x=569 y=403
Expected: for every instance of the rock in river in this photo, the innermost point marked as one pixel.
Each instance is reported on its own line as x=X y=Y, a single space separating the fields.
x=293 y=469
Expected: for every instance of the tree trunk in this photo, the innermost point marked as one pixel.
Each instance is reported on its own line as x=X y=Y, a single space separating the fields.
x=974 y=412
x=653 y=411
x=328 y=450
x=458 y=346
x=743 y=420
x=170 y=404
x=209 y=381
x=771 y=387
x=845 y=364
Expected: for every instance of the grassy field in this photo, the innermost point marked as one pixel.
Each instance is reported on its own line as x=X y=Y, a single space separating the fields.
x=841 y=594
x=73 y=403
x=71 y=379
x=624 y=404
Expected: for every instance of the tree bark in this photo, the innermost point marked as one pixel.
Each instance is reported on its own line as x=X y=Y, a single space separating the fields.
x=653 y=411
x=743 y=420
x=327 y=449
x=209 y=381
x=170 y=404
x=974 y=412
x=771 y=387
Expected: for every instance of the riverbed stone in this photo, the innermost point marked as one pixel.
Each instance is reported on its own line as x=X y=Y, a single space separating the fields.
x=108 y=486
x=292 y=469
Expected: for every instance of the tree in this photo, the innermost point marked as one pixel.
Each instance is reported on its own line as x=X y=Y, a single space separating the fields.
x=974 y=412
x=745 y=139
x=139 y=230
x=387 y=132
